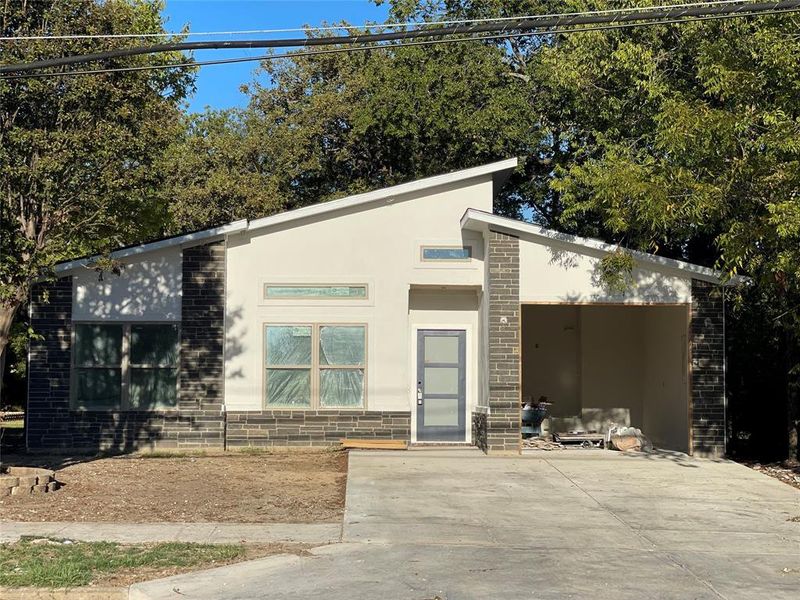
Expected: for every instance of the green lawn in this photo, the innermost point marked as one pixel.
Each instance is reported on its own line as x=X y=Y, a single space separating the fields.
x=18 y=424
x=52 y=563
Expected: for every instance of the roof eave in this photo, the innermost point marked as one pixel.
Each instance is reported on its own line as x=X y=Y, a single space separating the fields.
x=482 y=221
x=184 y=241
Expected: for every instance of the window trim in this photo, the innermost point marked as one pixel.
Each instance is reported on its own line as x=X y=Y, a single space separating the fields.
x=267 y=298
x=125 y=368
x=445 y=261
x=315 y=367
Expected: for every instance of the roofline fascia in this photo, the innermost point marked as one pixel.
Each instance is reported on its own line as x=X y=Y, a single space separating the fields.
x=184 y=241
x=491 y=221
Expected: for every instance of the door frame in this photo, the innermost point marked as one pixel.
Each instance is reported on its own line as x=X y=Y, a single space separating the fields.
x=469 y=367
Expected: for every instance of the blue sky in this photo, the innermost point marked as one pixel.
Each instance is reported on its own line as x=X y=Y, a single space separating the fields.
x=218 y=85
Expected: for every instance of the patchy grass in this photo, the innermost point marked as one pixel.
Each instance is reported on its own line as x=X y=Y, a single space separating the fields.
x=170 y=454
x=45 y=562
x=16 y=424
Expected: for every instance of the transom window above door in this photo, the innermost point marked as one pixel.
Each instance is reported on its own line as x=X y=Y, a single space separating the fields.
x=308 y=366
x=446 y=253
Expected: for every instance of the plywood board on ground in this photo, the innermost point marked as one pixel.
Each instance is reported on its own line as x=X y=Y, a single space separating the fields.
x=374 y=444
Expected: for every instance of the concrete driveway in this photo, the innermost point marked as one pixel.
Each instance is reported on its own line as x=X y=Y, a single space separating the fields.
x=453 y=524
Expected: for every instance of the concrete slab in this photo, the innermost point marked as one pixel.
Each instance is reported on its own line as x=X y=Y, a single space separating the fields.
x=572 y=524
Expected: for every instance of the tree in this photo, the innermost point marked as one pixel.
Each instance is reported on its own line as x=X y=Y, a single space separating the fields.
x=218 y=172
x=320 y=127
x=79 y=154
x=683 y=140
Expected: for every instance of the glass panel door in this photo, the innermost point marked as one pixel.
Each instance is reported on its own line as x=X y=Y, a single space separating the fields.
x=441 y=385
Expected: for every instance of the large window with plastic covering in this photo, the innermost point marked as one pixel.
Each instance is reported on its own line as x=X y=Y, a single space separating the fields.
x=308 y=366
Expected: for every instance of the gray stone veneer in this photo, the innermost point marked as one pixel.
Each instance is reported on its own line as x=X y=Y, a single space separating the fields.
x=314 y=427
x=503 y=421
x=52 y=424
x=47 y=419
x=708 y=370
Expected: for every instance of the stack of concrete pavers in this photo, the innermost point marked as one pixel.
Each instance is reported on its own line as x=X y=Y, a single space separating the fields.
x=27 y=480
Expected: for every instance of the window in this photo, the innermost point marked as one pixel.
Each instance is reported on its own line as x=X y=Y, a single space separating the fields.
x=446 y=253
x=98 y=366
x=314 y=291
x=153 y=366
x=289 y=366
x=315 y=366
x=124 y=366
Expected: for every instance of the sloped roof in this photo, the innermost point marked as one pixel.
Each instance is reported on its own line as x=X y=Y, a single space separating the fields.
x=498 y=170
x=480 y=220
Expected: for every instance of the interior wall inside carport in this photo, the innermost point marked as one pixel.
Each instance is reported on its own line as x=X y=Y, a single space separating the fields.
x=611 y=357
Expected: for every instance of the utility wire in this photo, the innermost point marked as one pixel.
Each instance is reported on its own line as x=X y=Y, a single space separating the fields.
x=291 y=55
x=522 y=25
x=365 y=26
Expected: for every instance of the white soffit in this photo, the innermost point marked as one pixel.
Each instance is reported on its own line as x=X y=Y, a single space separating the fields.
x=478 y=220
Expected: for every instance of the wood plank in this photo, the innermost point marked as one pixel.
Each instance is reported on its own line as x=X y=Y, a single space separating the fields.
x=368 y=444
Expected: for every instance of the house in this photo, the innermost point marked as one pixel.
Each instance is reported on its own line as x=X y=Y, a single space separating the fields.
x=411 y=312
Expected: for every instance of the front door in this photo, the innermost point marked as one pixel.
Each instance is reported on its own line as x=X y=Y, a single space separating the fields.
x=441 y=385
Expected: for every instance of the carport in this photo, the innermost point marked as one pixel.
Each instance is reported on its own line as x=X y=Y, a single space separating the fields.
x=551 y=326
x=604 y=364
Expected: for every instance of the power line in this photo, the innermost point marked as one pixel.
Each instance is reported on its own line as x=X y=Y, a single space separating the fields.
x=522 y=25
x=365 y=26
x=291 y=55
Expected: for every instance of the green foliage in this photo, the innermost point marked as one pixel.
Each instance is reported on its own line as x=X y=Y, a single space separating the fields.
x=616 y=271
x=321 y=127
x=692 y=132
x=55 y=564
x=79 y=155
x=218 y=172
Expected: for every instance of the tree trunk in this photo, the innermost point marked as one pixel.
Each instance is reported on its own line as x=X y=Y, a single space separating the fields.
x=792 y=399
x=7 y=312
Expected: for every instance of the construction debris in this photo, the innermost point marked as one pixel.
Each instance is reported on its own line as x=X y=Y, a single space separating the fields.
x=628 y=439
x=538 y=443
x=584 y=439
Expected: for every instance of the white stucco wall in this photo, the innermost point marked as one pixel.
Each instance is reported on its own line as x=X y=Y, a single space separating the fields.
x=551 y=356
x=148 y=289
x=557 y=273
x=611 y=357
x=666 y=387
x=446 y=310
x=379 y=247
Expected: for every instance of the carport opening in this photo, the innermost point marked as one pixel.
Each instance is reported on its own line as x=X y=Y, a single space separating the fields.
x=609 y=364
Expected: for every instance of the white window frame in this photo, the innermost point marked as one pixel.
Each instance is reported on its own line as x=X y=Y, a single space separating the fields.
x=315 y=367
x=125 y=367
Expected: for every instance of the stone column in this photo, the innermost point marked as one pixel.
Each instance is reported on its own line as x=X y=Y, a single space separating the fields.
x=708 y=370
x=47 y=419
x=201 y=384
x=503 y=435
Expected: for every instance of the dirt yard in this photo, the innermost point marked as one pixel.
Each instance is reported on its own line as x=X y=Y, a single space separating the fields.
x=280 y=487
